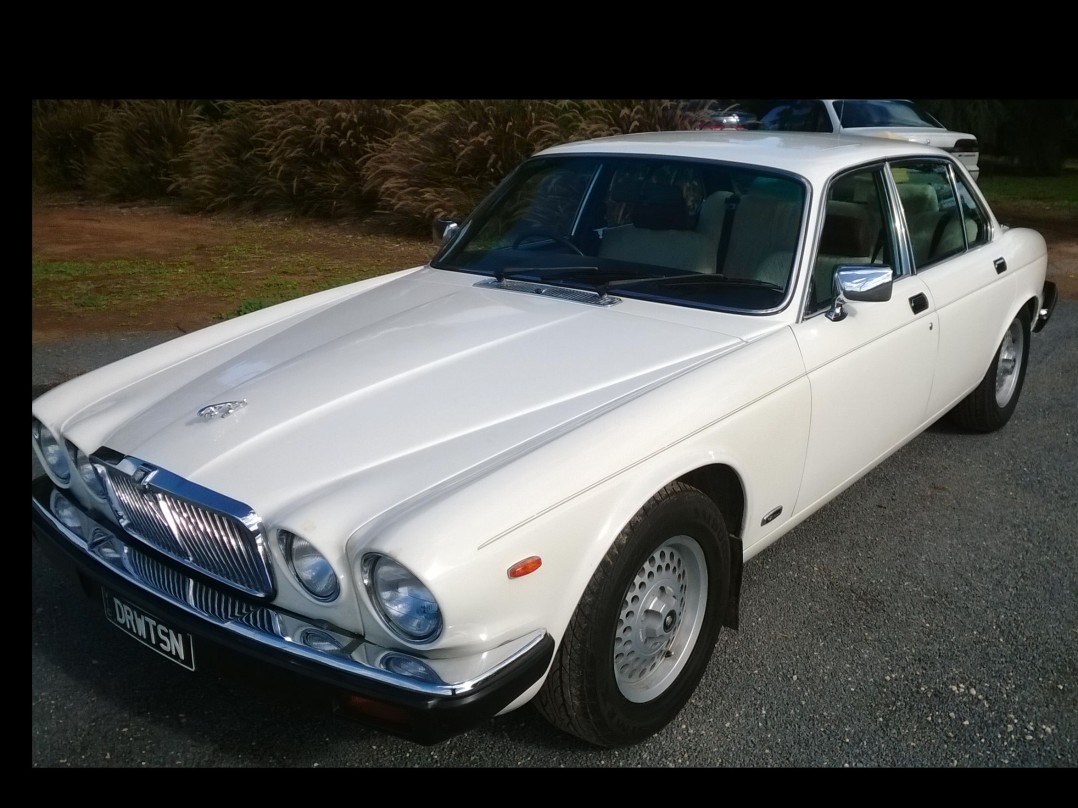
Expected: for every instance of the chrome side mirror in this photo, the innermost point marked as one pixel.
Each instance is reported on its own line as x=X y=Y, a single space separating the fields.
x=445 y=230
x=870 y=283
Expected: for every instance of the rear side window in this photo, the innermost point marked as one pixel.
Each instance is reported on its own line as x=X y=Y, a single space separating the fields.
x=942 y=214
x=974 y=218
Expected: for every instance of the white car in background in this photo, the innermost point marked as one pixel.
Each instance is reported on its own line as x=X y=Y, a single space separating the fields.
x=890 y=117
x=530 y=471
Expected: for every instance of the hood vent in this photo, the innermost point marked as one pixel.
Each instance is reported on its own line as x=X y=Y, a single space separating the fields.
x=546 y=290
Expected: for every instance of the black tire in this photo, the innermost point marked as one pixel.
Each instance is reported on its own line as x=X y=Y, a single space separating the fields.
x=622 y=673
x=993 y=401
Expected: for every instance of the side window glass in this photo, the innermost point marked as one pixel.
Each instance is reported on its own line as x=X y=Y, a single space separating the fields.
x=798 y=116
x=855 y=231
x=819 y=121
x=934 y=217
x=974 y=219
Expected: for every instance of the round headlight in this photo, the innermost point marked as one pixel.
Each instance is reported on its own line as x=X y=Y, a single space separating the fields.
x=311 y=568
x=402 y=600
x=89 y=474
x=51 y=452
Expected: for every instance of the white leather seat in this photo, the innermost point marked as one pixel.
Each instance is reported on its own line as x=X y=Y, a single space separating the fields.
x=661 y=234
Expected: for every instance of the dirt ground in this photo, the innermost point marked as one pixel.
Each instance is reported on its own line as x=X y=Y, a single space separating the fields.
x=67 y=229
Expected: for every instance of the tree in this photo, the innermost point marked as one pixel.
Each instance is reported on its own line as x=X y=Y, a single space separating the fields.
x=1032 y=136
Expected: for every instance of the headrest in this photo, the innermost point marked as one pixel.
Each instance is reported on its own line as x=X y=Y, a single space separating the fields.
x=843 y=235
x=712 y=213
x=625 y=189
x=662 y=207
x=917 y=197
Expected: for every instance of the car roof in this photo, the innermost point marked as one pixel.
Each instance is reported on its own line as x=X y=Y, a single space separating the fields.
x=815 y=155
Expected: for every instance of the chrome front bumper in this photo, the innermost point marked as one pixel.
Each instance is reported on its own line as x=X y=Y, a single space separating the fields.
x=425 y=700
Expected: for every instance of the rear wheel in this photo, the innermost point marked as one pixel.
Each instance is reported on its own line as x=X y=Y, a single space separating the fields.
x=644 y=631
x=993 y=401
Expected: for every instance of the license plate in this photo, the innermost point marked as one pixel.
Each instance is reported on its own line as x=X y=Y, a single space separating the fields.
x=149 y=630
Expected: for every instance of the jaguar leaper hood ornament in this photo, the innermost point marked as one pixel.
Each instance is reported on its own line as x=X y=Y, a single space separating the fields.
x=221 y=410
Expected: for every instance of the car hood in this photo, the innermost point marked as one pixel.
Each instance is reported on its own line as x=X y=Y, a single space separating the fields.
x=414 y=382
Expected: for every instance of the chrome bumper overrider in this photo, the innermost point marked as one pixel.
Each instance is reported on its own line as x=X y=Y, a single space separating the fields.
x=1048 y=303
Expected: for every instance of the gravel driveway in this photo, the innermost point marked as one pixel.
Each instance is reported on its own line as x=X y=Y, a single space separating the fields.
x=927 y=618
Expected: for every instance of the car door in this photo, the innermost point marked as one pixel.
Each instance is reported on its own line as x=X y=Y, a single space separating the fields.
x=965 y=274
x=871 y=372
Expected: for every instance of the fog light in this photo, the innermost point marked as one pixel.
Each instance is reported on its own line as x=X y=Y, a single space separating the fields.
x=357 y=707
x=68 y=514
x=106 y=545
x=410 y=667
x=320 y=640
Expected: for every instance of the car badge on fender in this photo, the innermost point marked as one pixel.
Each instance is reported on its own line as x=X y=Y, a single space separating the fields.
x=222 y=410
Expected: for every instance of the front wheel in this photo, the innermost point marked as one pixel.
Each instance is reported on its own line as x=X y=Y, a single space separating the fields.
x=993 y=401
x=644 y=631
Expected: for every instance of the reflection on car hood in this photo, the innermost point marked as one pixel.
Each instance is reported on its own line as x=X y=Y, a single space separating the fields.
x=420 y=375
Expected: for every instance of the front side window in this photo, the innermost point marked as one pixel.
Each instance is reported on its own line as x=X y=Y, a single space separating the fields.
x=943 y=216
x=683 y=232
x=855 y=230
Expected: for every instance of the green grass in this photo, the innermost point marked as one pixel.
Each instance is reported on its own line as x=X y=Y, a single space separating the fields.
x=1050 y=197
x=93 y=284
x=269 y=264
x=245 y=276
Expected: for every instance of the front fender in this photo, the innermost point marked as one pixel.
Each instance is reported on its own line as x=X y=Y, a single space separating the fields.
x=567 y=501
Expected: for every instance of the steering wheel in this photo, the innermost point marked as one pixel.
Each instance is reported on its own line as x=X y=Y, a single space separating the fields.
x=543 y=234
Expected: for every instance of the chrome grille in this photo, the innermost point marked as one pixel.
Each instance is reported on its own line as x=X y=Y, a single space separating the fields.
x=201 y=529
x=142 y=516
x=210 y=602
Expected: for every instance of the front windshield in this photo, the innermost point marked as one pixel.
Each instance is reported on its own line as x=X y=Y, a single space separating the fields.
x=682 y=232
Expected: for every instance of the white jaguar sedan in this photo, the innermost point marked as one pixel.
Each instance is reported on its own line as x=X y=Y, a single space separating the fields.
x=531 y=470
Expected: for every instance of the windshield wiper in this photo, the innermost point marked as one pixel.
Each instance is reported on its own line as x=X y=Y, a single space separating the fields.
x=564 y=276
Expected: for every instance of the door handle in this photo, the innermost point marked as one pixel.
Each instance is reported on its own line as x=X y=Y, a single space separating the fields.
x=918 y=302
x=1001 y=265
